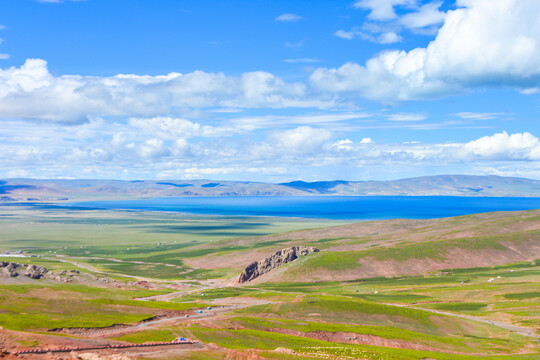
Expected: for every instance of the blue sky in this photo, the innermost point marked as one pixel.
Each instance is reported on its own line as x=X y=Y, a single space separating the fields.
x=269 y=90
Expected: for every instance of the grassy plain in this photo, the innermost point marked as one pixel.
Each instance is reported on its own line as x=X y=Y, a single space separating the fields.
x=450 y=311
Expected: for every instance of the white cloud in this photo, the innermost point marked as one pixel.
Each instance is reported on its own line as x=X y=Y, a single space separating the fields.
x=342 y=145
x=530 y=91
x=389 y=37
x=482 y=43
x=348 y=35
x=288 y=18
x=382 y=9
x=519 y=146
x=180 y=147
x=171 y=128
x=17 y=174
x=300 y=140
x=426 y=16
x=31 y=92
x=406 y=117
x=478 y=116
x=153 y=148
x=349 y=145
x=103 y=149
x=330 y=120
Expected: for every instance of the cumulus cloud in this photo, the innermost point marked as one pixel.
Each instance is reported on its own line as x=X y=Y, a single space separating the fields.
x=32 y=92
x=427 y=15
x=288 y=18
x=101 y=149
x=482 y=43
x=343 y=145
x=382 y=9
x=170 y=128
x=502 y=146
x=153 y=148
x=301 y=139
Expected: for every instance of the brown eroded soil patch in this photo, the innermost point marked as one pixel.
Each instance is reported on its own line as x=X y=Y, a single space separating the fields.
x=13 y=341
x=353 y=338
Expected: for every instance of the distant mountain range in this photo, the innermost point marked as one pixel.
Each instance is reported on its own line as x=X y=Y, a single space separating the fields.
x=448 y=185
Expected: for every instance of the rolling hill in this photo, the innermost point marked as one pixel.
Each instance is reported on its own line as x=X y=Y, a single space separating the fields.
x=443 y=185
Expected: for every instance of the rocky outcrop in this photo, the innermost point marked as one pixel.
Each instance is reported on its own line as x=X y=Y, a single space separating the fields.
x=11 y=269
x=35 y=272
x=257 y=268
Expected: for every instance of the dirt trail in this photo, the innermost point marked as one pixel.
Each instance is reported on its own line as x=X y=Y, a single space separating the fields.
x=82 y=266
x=214 y=312
x=120 y=260
x=510 y=327
x=98 y=271
x=173 y=295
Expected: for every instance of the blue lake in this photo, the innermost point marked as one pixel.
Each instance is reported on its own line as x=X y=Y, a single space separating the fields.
x=325 y=207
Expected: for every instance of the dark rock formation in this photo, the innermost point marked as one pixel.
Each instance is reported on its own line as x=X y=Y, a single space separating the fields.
x=8 y=269
x=35 y=272
x=257 y=268
x=11 y=269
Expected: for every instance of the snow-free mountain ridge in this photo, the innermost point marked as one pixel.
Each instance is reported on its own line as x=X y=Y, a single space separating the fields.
x=441 y=185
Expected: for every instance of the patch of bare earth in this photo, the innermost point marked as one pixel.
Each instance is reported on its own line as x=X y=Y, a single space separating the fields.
x=353 y=338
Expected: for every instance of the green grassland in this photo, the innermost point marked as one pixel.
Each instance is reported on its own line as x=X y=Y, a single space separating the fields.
x=247 y=338
x=89 y=232
x=153 y=244
x=44 y=307
x=349 y=311
x=299 y=314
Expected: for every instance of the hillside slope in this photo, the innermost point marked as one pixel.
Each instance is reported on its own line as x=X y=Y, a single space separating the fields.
x=390 y=248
